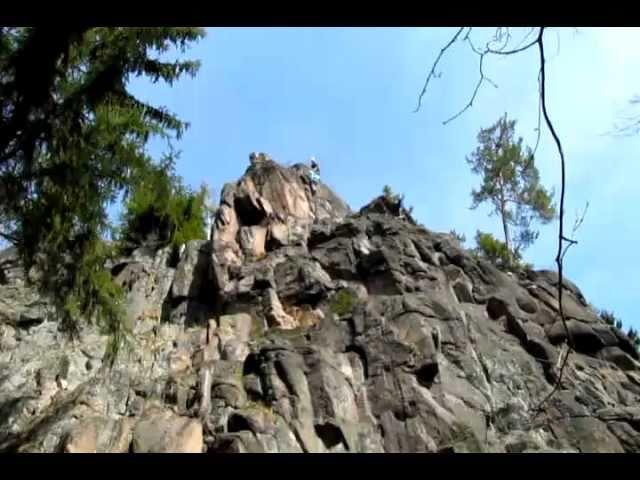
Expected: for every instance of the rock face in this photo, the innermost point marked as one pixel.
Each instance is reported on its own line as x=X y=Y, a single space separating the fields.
x=302 y=327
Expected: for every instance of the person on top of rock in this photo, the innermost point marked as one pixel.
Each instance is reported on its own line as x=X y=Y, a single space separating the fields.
x=258 y=157
x=210 y=211
x=314 y=166
x=314 y=175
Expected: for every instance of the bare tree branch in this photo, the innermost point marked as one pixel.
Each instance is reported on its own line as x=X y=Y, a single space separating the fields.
x=531 y=30
x=432 y=73
x=516 y=50
x=535 y=149
x=630 y=124
x=499 y=35
x=576 y=226
x=9 y=238
x=478 y=85
x=579 y=220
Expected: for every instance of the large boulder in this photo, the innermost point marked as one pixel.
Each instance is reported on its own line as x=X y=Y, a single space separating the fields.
x=161 y=431
x=100 y=435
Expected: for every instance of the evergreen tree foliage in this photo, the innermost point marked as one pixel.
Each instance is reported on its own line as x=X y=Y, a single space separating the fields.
x=160 y=210
x=72 y=138
x=460 y=237
x=388 y=193
x=511 y=185
x=608 y=317
x=492 y=249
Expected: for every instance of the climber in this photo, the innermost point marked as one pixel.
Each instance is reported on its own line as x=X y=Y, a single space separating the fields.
x=399 y=207
x=314 y=175
x=258 y=157
x=209 y=211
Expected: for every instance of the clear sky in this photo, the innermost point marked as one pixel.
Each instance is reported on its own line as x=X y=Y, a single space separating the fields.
x=347 y=95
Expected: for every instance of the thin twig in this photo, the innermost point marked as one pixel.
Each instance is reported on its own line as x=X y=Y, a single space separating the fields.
x=478 y=85
x=531 y=30
x=515 y=50
x=576 y=226
x=499 y=35
x=579 y=220
x=8 y=237
x=432 y=73
x=535 y=149
x=631 y=123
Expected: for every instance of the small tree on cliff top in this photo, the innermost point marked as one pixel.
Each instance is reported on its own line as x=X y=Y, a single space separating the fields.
x=511 y=183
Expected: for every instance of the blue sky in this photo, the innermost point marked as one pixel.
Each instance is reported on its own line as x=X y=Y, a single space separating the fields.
x=347 y=95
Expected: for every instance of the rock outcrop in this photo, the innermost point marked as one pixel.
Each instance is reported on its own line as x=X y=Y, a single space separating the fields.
x=303 y=327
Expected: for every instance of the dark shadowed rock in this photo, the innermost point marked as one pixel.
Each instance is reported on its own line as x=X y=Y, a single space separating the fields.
x=192 y=276
x=586 y=339
x=619 y=357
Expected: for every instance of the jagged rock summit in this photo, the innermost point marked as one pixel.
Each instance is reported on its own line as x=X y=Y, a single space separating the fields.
x=304 y=327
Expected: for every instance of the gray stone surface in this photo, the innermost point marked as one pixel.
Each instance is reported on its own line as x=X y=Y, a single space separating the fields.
x=245 y=349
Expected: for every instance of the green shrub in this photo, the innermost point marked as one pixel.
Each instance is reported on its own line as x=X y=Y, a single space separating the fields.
x=388 y=194
x=633 y=335
x=492 y=249
x=161 y=209
x=496 y=251
x=395 y=202
x=343 y=302
x=91 y=293
x=458 y=236
x=608 y=317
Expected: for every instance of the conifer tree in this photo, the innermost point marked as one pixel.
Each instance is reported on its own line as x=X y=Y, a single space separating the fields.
x=511 y=184
x=72 y=138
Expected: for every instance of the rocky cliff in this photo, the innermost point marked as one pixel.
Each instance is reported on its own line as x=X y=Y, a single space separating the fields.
x=304 y=327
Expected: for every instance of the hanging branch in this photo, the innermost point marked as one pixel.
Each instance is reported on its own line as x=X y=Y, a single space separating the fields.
x=561 y=237
x=481 y=80
x=432 y=73
x=531 y=30
x=535 y=149
x=563 y=242
x=630 y=124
